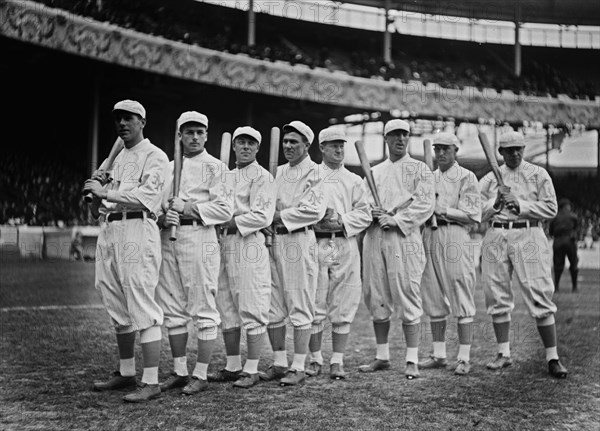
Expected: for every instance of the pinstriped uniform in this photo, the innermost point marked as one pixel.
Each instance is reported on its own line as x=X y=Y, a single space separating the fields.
x=448 y=282
x=128 y=251
x=524 y=252
x=244 y=294
x=190 y=266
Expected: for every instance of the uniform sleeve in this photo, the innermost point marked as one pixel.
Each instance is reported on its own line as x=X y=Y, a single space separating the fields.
x=150 y=188
x=489 y=190
x=219 y=207
x=311 y=204
x=421 y=205
x=469 y=202
x=545 y=207
x=359 y=218
x=262 y=206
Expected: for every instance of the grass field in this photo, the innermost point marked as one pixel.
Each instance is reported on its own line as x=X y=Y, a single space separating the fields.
x=50 y=355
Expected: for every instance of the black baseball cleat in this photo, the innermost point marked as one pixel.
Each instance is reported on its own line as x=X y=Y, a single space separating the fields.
x=224 y=375
x=174 y=381
x=376 y=365
x=117 y=381
x=145 y=392
x=556 y=369
x=274 y=372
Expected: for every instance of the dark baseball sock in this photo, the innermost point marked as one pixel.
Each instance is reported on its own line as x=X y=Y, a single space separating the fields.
x=232 y=339
x=412 y=334
x=178 y=343
x=548 y=334
x=255 y=343
x=277 y=337
x=382 y=329
x=338 y=342
x=301 y=340
x=502 y=331
x=465 y=333
x=316 y=340
x=151 y=354
x=573 y=278
x=205 y=349
x=126 y=344
x=438 y=330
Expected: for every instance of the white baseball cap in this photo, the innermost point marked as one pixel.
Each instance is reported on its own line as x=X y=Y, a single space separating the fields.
x=301 y=128
x=332 y=134
x=248 y=131
x=192 y=117
x=445 y=138
x=511 y=139
x=396 y=124
x=130 y=106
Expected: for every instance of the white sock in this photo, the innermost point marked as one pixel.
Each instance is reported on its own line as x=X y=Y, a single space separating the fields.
x=251 y=366
x=316 y=357
x=337 y=358
x=200 y=370
x=280 y=358
x=551 y=353
x=298 y=363
x=234 y=363
x=504 y=348
x=127 y=367
x=439 y=349
x=180 y=366
x=464 y=352
x=412 y=355
x=383 y=352
x=150 y=376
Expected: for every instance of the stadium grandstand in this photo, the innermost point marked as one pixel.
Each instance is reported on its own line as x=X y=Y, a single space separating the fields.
x=356 y=63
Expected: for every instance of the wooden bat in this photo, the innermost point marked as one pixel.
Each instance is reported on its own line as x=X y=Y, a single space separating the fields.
x=114 y=152
x=273 y=163
x=225 y=148
x=428 y=154
x=490 y=155
x=177 y=168
x=366 y=167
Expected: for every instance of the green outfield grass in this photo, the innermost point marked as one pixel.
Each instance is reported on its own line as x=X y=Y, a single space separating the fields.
x=51 y=355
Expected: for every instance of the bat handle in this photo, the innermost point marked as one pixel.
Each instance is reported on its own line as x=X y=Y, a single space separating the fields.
x=88 y=198
x=434 y=224
x=268 y=240
x=173 y=234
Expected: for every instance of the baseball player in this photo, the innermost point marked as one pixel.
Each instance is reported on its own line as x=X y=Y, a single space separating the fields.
x=128 y=249
x=564 y=230
x=393 y=256
x=244 y=294
x=448 y=282
x=300 y=204
x=190 y=266
x=515 y=243
x=339 y=283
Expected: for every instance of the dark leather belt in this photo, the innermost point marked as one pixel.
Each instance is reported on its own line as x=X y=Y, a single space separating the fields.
x=284 y=231
x=442 y=223
x=128 y=216
x=329 y=234
x=189 y=222
x=516 y=224
x=229 y=231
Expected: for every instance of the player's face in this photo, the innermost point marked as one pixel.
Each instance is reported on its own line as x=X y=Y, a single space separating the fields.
x=129 y=125
x=333 y=152
x=245 y=149
x=193 y=137
x=397 y=142
x=295 y=147
x=512 y=156
x=445 y=155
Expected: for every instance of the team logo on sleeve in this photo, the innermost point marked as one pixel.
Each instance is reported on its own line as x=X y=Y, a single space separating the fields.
x=226 y=193
x=263 y=203
x=157 y=181
x=314 y=198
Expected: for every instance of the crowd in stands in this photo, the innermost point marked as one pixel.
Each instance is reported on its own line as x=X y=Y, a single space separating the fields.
x=39 y=193
x=583 y=192
x=450 y=64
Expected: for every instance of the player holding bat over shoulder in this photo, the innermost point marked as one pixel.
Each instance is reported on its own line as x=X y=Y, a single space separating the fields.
x=393 y=259
x=190 y=266
x=515 y=243
x=448 y=283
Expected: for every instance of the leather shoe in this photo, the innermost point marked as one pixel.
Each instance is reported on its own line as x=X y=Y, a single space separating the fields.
x=292 y=378
x=412 y=371
x=145 y=392
x=337 y=372
x=117 y=381
x=556 y=369
x=500 y=362
x=376 y=365
x=174 y=381
x=224 y=375
x=462 y=368
x=313 y=369
x=433 y=362
x=246 y=380
x=274 y=372
x=194 y=386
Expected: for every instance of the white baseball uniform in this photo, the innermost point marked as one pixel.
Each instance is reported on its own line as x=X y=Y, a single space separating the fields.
x=393 y=260
x=294 y=262
x=339 y=280
x=448 y=282
x=190 y=267
x=244 y=294
x=517 y=243
x=128 y=250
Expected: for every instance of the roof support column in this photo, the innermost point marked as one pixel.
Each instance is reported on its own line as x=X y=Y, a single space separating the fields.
x=251 y=24
x=517 y=39
x=387 y=36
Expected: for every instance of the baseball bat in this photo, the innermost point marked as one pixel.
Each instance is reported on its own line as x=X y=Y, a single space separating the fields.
x=428 y=154
x=273 y=162
x=177 y=168
x=490 y=155
x=366 y=167
x=225 y=148
x=114 y=152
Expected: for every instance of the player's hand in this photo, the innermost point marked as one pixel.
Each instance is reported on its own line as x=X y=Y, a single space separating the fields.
x=101 y=176
x=377 y=212
x=387 y=221
x=440 y=210
x=231 y=224
x=171 y=219
x=176 y=204
x=95 y=188
x=512 y=203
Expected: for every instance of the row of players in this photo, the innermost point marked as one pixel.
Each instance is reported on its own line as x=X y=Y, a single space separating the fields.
x=220 y=272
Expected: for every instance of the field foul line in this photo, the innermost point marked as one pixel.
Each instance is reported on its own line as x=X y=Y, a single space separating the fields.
x=52 y=308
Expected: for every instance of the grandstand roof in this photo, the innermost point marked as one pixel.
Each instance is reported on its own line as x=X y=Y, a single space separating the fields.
x=572 y=12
